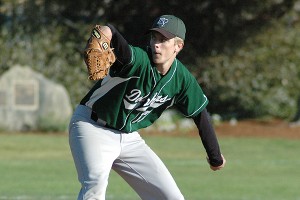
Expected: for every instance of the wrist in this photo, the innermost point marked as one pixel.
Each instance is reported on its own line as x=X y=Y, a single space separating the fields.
x=215 y=162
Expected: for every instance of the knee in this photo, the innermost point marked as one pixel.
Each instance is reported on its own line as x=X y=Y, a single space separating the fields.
x=92 y=190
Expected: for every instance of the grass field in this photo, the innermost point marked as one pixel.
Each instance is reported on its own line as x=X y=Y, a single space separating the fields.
x=40 y=167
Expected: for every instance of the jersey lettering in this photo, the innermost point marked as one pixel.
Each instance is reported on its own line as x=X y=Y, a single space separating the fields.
x=141 y=116
x=156 y=99
x=134 y=100
x=134 y=96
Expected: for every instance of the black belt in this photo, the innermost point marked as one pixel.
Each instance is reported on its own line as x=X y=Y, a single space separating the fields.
x=94 y=116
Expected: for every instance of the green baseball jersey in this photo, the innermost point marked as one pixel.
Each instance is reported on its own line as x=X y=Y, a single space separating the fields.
x=135 y=96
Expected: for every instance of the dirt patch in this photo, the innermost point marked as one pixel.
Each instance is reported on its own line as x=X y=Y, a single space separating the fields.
x=245 y=128
x=272 y=128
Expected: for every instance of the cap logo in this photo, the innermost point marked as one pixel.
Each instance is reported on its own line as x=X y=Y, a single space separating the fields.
x=162 y=22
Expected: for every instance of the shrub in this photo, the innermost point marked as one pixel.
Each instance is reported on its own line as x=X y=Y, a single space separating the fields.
x=261 y=78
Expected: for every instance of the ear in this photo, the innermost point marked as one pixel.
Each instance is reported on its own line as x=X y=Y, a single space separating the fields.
x=178 y=47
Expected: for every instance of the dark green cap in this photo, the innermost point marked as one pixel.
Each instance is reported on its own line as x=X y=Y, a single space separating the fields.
x=169 y=26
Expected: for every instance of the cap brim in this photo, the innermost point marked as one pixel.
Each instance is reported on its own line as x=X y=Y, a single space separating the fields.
x=165 y=33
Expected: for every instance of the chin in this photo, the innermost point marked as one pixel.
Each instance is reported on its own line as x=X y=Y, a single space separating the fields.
x=156 y=61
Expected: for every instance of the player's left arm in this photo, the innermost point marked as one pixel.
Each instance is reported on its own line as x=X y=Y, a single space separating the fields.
x=120 y=45
x=209 y=140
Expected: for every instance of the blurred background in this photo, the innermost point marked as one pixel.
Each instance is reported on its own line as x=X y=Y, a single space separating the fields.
x=244 y=54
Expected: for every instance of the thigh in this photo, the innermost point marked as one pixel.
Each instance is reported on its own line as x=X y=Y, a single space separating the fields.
x=94 y=148
x=144 y=171
x=92 y=145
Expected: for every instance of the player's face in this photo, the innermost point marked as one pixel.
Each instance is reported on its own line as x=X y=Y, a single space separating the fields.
x=163 y=50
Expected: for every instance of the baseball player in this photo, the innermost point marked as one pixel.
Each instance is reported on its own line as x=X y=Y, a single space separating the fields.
x=140 y=85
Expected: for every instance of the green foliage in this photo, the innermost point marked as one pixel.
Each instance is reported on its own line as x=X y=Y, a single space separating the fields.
x=261 y=78
x=245 y=72
x=52 y=124
x=53 y=50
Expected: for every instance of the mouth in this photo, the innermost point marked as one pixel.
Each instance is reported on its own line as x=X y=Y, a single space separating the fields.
x=155 y=56
x=156 y=53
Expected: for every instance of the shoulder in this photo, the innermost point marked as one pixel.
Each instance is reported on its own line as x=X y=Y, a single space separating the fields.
x=139 y=54
x=139 y=50
x=183 y=72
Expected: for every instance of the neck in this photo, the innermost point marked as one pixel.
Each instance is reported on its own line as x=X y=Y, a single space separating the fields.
x=165 y=67
x=162 y=70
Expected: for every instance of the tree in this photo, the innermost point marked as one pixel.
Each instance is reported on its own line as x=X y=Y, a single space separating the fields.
x=49 y=35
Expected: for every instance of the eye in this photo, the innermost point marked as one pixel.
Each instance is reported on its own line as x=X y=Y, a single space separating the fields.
x=158 y=38
x=163 y=39
x=154 y=37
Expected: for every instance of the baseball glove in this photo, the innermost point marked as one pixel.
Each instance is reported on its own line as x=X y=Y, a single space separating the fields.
x=98 y=55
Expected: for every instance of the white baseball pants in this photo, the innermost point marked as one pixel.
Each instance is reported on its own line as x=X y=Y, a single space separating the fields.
x=97 y=149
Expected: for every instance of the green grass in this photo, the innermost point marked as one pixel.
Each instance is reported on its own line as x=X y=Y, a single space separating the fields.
x=35 y=166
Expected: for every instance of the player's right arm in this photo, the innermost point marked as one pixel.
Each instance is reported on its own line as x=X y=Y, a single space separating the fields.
x=121 y=48
x=118 y=42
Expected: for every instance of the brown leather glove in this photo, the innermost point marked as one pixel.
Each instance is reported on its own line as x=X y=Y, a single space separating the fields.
x=98 y=55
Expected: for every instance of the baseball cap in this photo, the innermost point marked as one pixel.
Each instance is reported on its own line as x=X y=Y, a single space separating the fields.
x=169 y=26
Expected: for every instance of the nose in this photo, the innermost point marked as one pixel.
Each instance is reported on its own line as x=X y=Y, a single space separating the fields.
x=154 y=44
